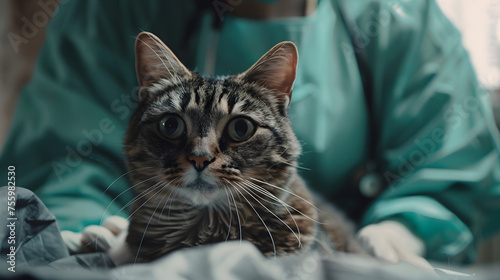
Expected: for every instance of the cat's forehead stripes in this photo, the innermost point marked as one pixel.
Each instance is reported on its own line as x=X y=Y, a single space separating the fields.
x=209 y=99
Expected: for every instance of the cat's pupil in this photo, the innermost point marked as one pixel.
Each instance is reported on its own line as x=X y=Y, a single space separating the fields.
x=171 y=125
x=241 y=128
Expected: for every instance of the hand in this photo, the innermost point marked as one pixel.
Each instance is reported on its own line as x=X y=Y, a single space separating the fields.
x=391 y=241
x=96 y=238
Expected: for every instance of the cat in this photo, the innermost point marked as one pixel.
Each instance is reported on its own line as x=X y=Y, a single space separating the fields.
x=214 y=159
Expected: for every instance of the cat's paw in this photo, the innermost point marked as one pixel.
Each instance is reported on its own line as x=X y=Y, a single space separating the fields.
x=116 y=224
x=393 y=242
x=120 y=254
x=96 y=238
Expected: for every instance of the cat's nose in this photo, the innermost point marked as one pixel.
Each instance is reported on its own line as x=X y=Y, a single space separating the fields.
x=200 y=161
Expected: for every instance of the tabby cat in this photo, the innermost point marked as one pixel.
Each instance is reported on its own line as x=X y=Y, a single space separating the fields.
x=214 y=159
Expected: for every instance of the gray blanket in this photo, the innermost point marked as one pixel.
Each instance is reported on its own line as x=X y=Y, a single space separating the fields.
x=39 y=253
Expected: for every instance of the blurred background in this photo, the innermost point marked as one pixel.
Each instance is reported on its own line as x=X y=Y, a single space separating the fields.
x=478 y=20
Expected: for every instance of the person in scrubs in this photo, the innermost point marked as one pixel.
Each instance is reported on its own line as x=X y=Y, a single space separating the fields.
x=396 y=129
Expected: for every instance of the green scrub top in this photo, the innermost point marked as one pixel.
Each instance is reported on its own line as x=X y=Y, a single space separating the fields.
x=385 y=82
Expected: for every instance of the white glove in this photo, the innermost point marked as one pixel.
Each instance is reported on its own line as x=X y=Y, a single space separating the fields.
x=391 y=241
x=96 y=238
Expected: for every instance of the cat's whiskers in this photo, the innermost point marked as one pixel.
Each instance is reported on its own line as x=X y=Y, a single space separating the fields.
x=263 y=199
x=296 y=166
x=286 y=162
x=166 y=201
x=235 y=185
x=237 y=214
x=172 y=201
x=143 y=193
x=230 y=215
x=287 y=191
x=147 y=225
x=293 y=208
x=158 y=187
x=249 y=191
x=275 y=200
x=116 y=197
x=278 y=200
x=105 y=211
x=123 y=175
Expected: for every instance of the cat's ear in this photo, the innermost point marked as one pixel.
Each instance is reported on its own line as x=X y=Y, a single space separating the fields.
x=154 y=60
x=276 y=70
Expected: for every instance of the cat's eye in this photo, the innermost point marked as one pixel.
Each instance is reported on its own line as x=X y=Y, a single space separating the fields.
x=240 y=129
x=172 y=126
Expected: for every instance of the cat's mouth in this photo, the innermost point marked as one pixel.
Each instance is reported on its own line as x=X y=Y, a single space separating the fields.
x=201 y=192
x=202 y=186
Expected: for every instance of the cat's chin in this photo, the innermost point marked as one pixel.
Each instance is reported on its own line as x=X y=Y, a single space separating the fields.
x=202 y=194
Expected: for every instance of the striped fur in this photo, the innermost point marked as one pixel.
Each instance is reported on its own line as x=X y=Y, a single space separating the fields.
x=249 y=190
